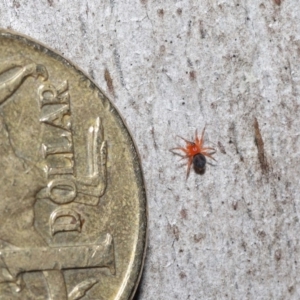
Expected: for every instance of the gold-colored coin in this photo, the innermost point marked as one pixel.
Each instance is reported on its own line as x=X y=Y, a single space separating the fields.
x=73 y=214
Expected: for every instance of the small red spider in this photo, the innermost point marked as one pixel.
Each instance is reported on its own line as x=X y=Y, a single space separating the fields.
x=195 y=153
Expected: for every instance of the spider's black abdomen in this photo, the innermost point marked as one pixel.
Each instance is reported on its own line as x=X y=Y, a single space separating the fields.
x=199 y=162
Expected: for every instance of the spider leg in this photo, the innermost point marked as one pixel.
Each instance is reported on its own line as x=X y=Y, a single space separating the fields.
x=211 y=164
x=178 y=154
x=196 y=137
x=178 y=148
x=182 y=165
x=182 y=156
x=188 y=142
x=209 y=155
x=202 y=137
x=189 y=167
x=209 y=148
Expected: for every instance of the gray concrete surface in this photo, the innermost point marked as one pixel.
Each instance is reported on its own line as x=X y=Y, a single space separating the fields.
x=171 y=67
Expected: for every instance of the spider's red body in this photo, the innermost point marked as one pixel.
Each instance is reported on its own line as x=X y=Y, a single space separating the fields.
x=195 y=152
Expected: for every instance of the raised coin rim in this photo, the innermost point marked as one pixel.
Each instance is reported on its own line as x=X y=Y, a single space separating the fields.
x=133 y=280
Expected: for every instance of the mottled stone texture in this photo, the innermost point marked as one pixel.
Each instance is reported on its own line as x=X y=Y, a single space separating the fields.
x=171 y=67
